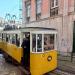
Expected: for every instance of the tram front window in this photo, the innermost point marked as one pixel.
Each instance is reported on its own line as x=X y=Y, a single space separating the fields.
x=48 y=42
x=39 y=43
x=34 y=42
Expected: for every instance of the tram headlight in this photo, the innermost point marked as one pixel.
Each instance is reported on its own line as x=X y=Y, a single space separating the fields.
x=49 y=58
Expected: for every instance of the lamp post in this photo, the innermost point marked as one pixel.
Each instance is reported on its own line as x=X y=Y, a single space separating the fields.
x=13 y=18
x=10 y=19
x=7 y=18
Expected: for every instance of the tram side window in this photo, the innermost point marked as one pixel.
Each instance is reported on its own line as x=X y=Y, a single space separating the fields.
x=17 y=40
x=7 y=37
x=39 y=43
x=48 y=42
x=4 y=37
x=13 y=39
x=0 y=36
x=33 y=42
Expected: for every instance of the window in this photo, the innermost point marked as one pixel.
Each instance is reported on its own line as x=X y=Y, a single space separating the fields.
x=38 y=9
x=17 y=40
x=36 y=42
x=7 y=37
x=39 y=43
x=48 y=42
x=13 y=39
x=0 y=36
x=28 y=9
x=4 y=37
x=43 y=42
x=54 y=3
x=54 y=8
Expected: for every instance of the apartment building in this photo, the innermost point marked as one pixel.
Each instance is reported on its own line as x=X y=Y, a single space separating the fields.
x=57 y=14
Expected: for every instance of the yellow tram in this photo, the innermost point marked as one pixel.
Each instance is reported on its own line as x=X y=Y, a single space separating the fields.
x=42 y=55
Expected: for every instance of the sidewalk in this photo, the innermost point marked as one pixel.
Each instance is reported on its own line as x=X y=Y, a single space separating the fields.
x=65 y=64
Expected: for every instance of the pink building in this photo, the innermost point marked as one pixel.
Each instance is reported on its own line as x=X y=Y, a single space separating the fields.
x=58 y=14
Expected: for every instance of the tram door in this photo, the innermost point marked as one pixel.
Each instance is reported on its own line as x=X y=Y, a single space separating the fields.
x=74 y=38
x=26 y=51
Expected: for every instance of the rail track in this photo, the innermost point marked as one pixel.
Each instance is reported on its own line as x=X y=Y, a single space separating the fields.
x=24 y=71
x=59 y=71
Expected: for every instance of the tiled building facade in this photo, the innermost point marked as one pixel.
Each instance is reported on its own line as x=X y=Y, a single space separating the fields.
x=58 y=14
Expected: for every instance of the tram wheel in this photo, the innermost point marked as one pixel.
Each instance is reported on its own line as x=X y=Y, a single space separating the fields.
x=8 y=59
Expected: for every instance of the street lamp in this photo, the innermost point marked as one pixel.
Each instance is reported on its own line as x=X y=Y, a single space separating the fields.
x=7 y=17
x=10 y=18
x=13 y=18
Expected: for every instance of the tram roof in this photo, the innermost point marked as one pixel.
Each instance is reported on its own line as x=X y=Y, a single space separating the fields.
x=30 y=29
x=37 y=29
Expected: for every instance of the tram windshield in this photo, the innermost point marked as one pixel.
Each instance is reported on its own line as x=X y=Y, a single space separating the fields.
x=43 y=42
x=39 y=42
x=48 y=42
x=34 y=42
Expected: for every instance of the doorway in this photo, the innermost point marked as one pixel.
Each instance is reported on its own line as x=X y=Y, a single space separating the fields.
x=73 y=38
x=26 y=51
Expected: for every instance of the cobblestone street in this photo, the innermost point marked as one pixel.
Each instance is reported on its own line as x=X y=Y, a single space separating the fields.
x=37 y=37
x=65 y=67
x=8 y=69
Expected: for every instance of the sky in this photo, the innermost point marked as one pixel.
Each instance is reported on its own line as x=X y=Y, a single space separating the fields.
x=9 y=6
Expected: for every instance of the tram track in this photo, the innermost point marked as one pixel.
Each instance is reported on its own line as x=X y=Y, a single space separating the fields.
x=59 y=71
x=24 y=71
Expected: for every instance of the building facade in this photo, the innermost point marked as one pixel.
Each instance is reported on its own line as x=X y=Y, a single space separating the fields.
x=57 y=14
x=2 y=21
